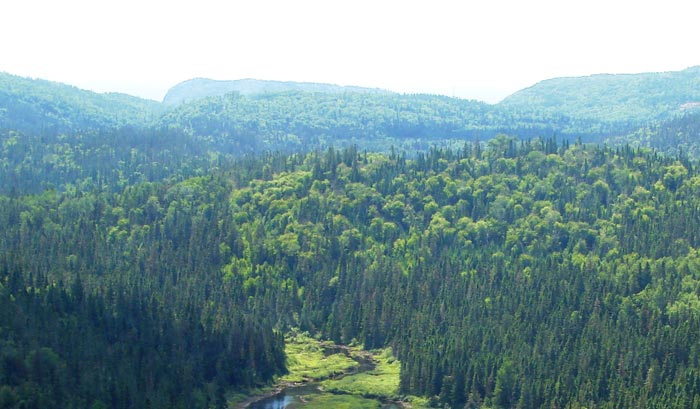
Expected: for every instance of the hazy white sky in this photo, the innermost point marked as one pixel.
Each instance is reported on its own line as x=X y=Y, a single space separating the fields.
x=483 y=49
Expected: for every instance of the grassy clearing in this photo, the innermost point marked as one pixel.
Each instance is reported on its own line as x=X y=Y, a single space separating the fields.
x=327 y=400
x=416 y=402
x=306 y=360
x=237 y=399
x=381 y=382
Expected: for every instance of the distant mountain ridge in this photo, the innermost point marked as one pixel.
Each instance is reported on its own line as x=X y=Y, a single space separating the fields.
x=613 y=97
x=34 y=105
x=198 y=88
x=248 y=114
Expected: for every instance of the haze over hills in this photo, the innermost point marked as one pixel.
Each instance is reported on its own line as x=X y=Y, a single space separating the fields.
x=595 y=108
x=614 y=103
x=613 y=97
x=253 y=115
x=198 y=88
x=604 y=97
x=35 y=104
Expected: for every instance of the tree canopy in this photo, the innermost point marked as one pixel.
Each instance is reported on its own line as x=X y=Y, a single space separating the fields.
x=523 y=274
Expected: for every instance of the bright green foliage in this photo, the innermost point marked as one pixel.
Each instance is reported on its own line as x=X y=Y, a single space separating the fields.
x=307 y=360
x=381 y=382
x=323 y=401
x=513 y=278
x=524 y=274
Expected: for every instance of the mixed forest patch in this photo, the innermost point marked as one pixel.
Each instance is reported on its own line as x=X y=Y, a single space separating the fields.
x=155 y=256
x=528 y=274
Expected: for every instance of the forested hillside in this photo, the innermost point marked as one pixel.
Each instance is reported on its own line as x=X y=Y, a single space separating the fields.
x=106 y=303
x=677 y=136
x=303 y=121
x=521 y=274
x=524 y=275
x=621 y=99
x=198 y=88
x=109 y=159
x=245 y=116
x=40 y=107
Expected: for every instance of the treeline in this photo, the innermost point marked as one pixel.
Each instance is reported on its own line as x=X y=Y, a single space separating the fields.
x=305 y=121
x=679 y=136
x=592 y=109
x=516 y=274
x=37 y=106
x=100 y=159
x=300 y=119
x=634 y=99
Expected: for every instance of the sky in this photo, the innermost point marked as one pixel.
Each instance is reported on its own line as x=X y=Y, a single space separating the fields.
x=485 y=49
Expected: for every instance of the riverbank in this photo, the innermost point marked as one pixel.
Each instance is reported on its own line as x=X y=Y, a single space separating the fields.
x=341 y=376
x=381 y=381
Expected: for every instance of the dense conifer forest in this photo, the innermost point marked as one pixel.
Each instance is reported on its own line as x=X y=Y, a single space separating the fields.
x=523 y=273
x=159 y=266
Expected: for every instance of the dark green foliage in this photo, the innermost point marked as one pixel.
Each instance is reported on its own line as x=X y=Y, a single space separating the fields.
x=95 y=160
x=118 y=299
x=523 y=274
x=678 y=137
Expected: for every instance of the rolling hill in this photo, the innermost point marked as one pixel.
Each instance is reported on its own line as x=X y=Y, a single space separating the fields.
x=253 y=115
x=35 y=105
x=198 y=88
x=622 y=98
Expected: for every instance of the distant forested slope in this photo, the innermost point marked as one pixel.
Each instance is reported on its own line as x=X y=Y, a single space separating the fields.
x=268 y=115
x=303 y=120
x=677 y=136
x=47 y=147
x=109 y=158
x=623 y=98
x=292 y=114
x=31 y=105
x=198 y=88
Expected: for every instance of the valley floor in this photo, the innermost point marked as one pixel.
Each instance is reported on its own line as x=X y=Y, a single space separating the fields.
x=322 y=374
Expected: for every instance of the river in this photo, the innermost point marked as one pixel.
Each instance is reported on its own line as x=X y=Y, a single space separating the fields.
x=297 y=396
